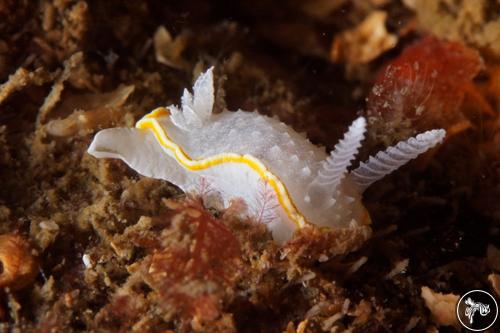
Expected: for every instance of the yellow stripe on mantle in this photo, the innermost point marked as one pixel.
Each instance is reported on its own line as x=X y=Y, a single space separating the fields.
x=150 y=122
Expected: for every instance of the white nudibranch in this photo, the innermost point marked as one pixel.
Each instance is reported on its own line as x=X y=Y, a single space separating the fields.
x=285 y=180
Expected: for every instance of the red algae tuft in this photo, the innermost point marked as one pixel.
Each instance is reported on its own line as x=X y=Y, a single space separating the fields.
x=190 y=271
x=425 y=87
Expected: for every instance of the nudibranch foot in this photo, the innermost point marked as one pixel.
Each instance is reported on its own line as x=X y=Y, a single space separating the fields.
x=285 y=181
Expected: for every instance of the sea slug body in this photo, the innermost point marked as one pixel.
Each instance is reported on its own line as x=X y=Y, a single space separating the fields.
x=285 y=180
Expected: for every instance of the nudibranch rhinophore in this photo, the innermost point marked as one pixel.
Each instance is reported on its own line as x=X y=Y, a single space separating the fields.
x=285 y=180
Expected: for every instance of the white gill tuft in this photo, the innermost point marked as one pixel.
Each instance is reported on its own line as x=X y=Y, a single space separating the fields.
x=196 y=107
